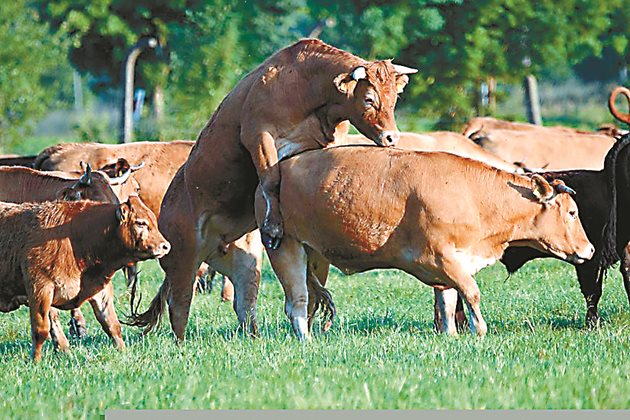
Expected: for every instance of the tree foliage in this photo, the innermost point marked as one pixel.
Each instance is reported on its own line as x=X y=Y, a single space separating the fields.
x=31 y=68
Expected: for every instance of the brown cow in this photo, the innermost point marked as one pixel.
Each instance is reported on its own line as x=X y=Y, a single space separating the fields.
x=60 y=254
x=161 y=161
x=17 y=160
x=548 y=148
x=390 y=213
x=488 y=124
x=21 y=184
x=291 y=102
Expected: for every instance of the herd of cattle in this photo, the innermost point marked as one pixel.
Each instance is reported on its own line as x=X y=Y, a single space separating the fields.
x=276 y=155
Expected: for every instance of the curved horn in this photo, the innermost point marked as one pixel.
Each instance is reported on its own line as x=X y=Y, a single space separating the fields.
x=86 y=178
x=564 y=189
x=404 y=69
x=137 y=167
x=611 y=104
x=120 y=179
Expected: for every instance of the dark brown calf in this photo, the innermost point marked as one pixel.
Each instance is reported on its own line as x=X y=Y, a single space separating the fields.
x=60 y=254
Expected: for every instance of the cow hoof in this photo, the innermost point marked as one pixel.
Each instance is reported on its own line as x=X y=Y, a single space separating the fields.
x=592 y=321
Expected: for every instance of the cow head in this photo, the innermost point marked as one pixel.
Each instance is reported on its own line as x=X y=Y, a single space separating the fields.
x=121 y=178
x=91 y=185
x=369 y=97
x=560 y=229
x=138 y=231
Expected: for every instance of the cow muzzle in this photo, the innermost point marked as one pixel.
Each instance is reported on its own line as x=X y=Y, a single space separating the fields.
x=583 y=255
x=389 y=138
x=161 y=250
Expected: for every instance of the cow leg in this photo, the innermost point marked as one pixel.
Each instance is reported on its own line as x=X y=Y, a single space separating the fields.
x=77 y=324
x=56 y=331
x=625 y=270
x=39 y=303
x=445 y=304
x=469 y=290
x=180 y=272
x=227 y=289
x=131 y=273
x=290 y=264
x=203 y=278
x=103 y=306
x=243 y=264
x=318 y=296
x=591 y=286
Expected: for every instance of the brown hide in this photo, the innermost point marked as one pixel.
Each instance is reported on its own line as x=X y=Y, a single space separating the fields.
x=439 y=141
x=547 y=148
x=20 y=184
x=161 y=162
x=62 y=253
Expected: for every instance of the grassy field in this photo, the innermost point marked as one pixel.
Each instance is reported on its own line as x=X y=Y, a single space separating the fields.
x=380 y=353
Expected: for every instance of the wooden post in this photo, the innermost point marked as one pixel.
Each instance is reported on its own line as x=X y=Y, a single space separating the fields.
x=532 y=101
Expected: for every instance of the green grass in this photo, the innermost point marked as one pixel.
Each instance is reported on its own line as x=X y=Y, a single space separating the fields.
x=380 y=353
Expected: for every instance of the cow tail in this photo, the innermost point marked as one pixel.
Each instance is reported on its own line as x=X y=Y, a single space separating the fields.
x=323 y=299
x=152 y=316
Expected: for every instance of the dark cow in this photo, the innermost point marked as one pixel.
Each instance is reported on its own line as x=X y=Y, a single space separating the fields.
x=60 y=254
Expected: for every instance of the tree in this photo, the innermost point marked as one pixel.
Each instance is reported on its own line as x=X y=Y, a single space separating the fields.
x=32 y=64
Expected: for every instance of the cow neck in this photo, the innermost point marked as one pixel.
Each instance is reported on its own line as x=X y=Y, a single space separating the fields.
x=622 y=174
x=95 y=239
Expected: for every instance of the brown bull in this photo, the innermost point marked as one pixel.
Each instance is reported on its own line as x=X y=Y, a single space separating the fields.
x=16 y=160
x=60 y=254
x=291 y=102
x=437 y=216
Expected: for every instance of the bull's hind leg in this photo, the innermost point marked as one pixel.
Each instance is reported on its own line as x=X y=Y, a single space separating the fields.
x=243 y=264
x=290 y=264
x=590 y=279
x=56 y=331
x=103 y=306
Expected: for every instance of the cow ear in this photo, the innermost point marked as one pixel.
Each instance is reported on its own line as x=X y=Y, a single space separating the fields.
x=541 y=189
x=122 y=166
x=69 y=194
x=122 y=213
x=346 y=82
x=401 y=82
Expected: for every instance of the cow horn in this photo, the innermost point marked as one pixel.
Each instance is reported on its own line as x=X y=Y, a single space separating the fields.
x=121 y=179
x=404 y=69
x=611 y=104
x=137 y=167
x=564 y=189
x=86 y=178
x=359 y=73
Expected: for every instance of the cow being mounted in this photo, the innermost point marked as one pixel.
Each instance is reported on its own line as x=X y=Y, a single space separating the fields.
x=434 y=215
x=290 y=103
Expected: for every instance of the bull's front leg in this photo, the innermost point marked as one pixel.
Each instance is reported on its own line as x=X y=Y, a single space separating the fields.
x=625 y=270
x=262 y=149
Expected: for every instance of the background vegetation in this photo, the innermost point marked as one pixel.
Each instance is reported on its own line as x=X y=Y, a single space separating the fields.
x=206 y=46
